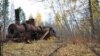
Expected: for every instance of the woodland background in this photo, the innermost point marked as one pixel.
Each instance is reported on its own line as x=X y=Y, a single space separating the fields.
x=71 y=19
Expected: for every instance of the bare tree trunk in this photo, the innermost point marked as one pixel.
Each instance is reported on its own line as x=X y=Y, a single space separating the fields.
x=91 y=20
x=0 y=43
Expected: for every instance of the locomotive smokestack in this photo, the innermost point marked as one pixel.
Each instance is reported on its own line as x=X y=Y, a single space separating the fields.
x=17 y=19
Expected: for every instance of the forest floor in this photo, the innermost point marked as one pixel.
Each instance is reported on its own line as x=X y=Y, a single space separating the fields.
x=51 y=48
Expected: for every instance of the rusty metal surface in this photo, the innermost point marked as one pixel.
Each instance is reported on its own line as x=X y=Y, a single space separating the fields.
x=28 y=31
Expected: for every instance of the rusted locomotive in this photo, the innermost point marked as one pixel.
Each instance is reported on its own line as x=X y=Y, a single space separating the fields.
x=27 y=30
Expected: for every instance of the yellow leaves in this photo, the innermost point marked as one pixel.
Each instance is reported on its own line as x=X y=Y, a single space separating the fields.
x=94 y=8
x=38 y=19
x=52 y=38
x=58 y=19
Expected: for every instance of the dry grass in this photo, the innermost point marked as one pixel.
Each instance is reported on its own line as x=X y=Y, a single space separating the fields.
x=45 y=47
x=74 y=50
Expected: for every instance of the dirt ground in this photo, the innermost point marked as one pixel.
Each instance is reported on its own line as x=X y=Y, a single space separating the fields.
x=49 y=48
